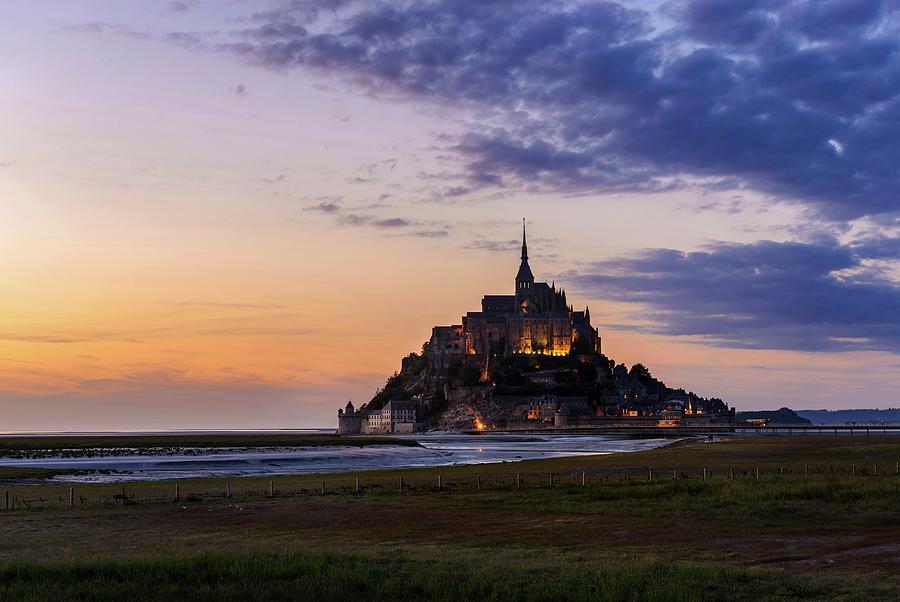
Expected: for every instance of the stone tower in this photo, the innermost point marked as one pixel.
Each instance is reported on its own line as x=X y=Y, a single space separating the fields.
x=524 y=278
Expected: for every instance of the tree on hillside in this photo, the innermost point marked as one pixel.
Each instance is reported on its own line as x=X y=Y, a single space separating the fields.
x=639 y=372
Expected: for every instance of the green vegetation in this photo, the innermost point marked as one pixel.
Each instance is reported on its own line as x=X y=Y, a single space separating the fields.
x=18 y=446
x=12 y=474
x=349 y=577
x=401 y=385
x=799 y=531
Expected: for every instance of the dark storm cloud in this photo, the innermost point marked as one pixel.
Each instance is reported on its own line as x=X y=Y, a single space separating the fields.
x=877 y=248
x=799 y=99
x=807 y=297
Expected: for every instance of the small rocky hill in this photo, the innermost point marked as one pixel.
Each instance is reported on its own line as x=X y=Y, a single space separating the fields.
x=779 y=416
x=465 y=394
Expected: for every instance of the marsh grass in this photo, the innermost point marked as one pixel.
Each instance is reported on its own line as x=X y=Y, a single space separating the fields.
x=822 y=535
x=817 y=480
x=351 y=577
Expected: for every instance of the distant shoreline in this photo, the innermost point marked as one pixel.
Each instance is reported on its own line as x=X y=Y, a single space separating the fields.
x=169 y=432
x=17 y=445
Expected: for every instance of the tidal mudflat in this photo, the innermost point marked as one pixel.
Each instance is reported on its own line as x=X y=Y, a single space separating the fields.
x=105 y=462
x=819 y=523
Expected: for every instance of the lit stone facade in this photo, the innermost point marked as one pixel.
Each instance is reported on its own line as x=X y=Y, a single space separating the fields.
x=395 y=417
x=537 y=319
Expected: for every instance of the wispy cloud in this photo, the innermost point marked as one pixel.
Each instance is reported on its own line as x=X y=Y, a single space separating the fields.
x=403 y=226
x=511 y=245
x=183 y=6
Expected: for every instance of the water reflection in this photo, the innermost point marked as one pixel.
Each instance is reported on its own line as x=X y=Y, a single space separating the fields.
x=441 y=449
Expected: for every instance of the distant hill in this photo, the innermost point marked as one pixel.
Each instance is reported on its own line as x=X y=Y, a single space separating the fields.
x=860 y=416
x=780 y=416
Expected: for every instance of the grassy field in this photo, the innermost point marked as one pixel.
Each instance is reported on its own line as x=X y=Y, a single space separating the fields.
x=803 y=532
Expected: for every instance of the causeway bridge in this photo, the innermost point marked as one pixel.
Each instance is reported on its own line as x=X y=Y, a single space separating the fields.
x=648 y=430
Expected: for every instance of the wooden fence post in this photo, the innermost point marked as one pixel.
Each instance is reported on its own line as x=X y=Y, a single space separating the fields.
x=176 y=491
x=478 y=482
x=876 y=470
x=401 y=483
x=582 y=477
x=897 y=470
x=806 y=470
x=853 y=469
x=519 y=482
x=123 y=495
x=651 y=475
x=757 y=472
x=704 y=473
x=228 y=489
x=674 y=473
x=7 y=499
x=440 y=483
x=357 y=484
x=272 y=488
x=551 y=479
x=323 y=486
x=731 y=473
x=71 y=497
x=781 y=471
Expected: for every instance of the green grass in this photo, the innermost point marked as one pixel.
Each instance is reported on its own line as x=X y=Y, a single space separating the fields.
x=11 y=474
x=827 y=490
x=782 y=504
x=350 y=577
x=780 y=537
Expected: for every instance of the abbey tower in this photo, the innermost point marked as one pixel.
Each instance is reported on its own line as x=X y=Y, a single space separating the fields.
x=536 y=319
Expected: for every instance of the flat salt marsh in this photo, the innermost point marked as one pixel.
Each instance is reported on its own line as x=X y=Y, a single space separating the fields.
x=138 y=459
x=800 y=533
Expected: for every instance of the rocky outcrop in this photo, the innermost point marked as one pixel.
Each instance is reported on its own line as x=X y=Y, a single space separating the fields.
x=466 y=394
x=471 y=406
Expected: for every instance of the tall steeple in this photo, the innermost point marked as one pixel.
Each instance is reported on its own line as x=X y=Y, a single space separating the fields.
x=524 y=279
x=524 y=244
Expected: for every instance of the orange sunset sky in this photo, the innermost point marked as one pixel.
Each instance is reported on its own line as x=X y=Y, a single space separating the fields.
x=193 y=238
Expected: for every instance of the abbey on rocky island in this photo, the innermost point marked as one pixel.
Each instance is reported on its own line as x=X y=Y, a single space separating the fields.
x=526 y=360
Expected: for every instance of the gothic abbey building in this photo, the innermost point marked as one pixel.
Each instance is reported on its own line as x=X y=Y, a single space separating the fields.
x=536 y=319
x=526 y=360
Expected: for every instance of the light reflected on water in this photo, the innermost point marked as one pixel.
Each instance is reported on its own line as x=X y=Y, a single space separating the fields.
x=437 y=450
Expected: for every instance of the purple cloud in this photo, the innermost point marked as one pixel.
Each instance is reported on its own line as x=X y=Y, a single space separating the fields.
x=769 y=295
x=799 y=99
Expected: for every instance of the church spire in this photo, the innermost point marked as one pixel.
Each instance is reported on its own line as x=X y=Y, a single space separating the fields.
x=524 y=244
x=524 y=279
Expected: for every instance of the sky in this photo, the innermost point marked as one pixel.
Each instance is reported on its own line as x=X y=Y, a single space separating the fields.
x=240 y=214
